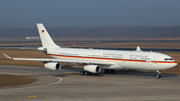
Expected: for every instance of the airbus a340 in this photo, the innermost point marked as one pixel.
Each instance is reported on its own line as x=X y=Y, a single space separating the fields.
x=94 y=60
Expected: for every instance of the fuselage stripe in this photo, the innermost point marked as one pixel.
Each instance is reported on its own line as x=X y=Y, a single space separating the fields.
x=127 y=60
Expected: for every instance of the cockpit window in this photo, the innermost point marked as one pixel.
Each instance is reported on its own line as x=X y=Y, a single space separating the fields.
x=168 y=59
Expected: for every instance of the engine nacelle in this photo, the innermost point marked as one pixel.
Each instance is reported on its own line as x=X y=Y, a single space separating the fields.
x=52 y=66
x=92 y=68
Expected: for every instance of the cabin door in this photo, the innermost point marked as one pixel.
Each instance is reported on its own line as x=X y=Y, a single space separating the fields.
x=124 y=57
x=56 y=52
x=84 y=56
x=155 y=61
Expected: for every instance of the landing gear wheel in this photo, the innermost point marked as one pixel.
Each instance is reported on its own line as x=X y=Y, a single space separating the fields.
x=109 y=71
x=105 y=71
x=159 y=74
x=82 y=72
x=113 y=71
x=88 y=73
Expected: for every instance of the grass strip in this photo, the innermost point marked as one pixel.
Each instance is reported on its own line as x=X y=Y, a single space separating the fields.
x=15 y=80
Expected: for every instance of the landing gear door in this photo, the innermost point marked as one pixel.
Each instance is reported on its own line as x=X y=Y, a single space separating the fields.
x=155 y=61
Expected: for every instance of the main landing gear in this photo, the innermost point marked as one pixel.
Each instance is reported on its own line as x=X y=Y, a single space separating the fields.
x=85 y=73
x=159 y=74
x=109 y=71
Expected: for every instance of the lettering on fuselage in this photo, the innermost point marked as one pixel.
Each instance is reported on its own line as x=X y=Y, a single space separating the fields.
x=142 y=57
x=112 y=54
x=131 y=56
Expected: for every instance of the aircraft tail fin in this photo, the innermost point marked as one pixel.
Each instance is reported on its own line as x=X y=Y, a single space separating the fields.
x=46 y=39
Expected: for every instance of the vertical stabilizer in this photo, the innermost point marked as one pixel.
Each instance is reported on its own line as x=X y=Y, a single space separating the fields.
x=46 y=40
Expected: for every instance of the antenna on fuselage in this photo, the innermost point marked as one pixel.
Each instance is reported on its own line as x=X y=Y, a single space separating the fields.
x=138 y=49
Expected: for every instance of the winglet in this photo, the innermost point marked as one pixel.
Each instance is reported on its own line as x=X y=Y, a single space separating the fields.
x=8 y=57
x=138 y=49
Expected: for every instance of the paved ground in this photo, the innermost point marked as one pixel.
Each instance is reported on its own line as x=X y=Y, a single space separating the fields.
x=68 y=85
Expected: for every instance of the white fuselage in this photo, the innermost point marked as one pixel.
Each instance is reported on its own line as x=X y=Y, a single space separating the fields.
x=122 y=59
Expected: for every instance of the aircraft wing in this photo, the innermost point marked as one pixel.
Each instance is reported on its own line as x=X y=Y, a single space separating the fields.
x=60 y=60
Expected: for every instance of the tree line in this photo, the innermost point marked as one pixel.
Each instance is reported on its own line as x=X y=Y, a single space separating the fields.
x=108 y=31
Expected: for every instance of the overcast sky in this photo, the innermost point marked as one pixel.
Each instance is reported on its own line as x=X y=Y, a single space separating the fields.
x=54 y=13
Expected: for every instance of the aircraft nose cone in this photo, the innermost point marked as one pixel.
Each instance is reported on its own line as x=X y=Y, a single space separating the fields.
x=170 y=65
x=173 y=64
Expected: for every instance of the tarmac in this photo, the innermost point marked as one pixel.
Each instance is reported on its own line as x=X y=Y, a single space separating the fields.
x=68 y=85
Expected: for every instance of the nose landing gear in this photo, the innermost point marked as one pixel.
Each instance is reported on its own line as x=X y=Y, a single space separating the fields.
x=159 y=74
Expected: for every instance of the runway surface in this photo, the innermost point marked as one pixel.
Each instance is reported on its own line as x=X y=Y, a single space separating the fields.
x=67 y=85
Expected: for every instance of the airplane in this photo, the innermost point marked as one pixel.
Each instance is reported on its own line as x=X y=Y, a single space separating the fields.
x=94 y=60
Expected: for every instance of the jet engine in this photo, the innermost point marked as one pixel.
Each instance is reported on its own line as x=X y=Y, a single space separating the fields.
x=52 y=66
x=92 y=68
